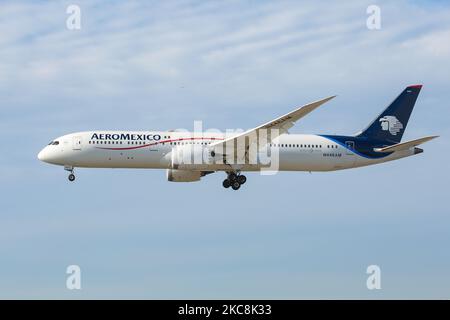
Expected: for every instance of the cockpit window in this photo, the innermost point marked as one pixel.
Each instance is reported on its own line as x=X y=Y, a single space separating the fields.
x=53 y=143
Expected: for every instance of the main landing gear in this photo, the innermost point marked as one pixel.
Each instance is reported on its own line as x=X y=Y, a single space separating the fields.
x=71 y=175
x=234 y=181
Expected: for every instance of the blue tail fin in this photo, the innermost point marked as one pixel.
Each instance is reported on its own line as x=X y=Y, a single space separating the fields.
x=391 y=123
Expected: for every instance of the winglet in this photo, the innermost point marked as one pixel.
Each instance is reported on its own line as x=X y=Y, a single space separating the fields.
x=328 y=99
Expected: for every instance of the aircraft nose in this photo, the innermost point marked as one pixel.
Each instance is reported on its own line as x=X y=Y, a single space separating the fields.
x=42 y=155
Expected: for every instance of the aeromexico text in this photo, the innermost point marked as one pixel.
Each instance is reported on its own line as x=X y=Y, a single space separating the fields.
x=126 y=136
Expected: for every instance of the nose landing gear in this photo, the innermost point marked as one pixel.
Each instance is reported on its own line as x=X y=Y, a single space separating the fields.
x=71 y=176
x=234 y=181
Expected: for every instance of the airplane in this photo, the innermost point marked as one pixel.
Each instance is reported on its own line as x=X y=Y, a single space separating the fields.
x=379 y=142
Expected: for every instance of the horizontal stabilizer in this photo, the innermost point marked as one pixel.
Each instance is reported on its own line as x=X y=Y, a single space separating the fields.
x=404 y=145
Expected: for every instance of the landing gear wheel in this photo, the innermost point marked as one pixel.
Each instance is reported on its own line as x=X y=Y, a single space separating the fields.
x=71 y=177
x=235 y=185
x=232 y=177
x=226 y=183
x=241 y=179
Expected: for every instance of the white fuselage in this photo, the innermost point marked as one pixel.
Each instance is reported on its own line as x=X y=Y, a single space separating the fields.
x=155 y=149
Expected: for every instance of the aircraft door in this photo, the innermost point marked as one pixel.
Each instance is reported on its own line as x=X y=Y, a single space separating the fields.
x=350 y=153
x=350 y=148
x=76 y=143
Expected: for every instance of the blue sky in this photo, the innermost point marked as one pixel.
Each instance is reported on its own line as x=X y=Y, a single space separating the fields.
x=233 y=64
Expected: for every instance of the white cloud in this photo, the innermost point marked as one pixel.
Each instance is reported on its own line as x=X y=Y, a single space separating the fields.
x=126 y=47
x=431 y=45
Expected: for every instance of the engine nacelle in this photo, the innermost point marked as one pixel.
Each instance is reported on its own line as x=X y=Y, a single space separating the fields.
x=175 y=175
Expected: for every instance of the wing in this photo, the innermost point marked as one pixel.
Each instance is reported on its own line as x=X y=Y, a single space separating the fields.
x=272 y=129
x=404 y=145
